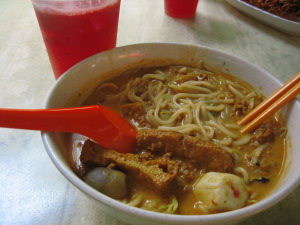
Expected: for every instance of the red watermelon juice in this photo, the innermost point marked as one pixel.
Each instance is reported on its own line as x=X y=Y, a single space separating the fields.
x=74 y=30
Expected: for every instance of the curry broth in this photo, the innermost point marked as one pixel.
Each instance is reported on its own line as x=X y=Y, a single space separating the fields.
x=270 y=165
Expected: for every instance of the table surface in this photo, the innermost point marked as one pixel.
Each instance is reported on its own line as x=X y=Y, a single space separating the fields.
x=32 y=190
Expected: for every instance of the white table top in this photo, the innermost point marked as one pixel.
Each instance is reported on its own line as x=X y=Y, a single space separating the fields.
x=32 y=191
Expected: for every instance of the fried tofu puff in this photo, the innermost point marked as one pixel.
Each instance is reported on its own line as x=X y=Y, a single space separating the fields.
x=221 y=192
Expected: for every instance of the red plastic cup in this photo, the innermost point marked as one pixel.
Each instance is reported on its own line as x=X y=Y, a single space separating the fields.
x=181 y=8
x=76 y=29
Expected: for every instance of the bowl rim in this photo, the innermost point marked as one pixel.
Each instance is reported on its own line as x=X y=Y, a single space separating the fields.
x=66 y=171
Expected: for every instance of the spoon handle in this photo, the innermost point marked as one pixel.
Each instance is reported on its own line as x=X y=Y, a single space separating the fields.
x=63 y=119
x=99 y=123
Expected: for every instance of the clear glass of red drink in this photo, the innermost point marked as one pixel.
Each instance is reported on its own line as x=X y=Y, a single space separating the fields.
x=76 y=29
x=181 y=8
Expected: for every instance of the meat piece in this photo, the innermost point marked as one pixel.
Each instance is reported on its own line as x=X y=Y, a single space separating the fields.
x=132 y=109
x=241 y=108
x=187 y=173
x=193 y=77
x=203 y=153
x=156 y=174
x=136 y=111
x=267 y=162
x=264 y=133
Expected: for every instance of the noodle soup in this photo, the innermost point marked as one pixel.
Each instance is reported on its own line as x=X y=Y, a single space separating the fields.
x=190 y=156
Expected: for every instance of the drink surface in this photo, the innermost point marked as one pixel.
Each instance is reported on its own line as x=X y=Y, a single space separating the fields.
x=75 y=30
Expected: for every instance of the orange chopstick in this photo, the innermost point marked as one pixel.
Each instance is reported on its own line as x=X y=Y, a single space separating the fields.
x=267 y=102
x=270 y=105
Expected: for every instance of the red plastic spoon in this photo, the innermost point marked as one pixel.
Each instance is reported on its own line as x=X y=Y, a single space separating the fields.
x=99 y=123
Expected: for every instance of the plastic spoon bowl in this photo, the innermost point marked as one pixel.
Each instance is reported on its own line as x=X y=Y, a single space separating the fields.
x=99 y=123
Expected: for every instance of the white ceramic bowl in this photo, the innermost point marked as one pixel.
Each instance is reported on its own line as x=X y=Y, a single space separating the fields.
x=77 y=83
